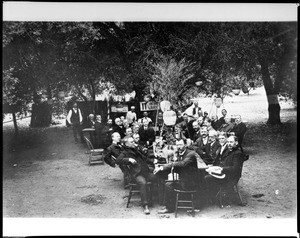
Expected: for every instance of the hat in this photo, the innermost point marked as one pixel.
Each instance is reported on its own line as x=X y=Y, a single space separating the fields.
x=215 y=171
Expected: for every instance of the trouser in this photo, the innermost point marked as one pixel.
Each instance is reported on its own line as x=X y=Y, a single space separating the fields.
x=141 y=180
x=77 y=131
x=213 y=185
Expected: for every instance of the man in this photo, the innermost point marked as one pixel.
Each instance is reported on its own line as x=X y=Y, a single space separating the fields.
x=91 y=121
x=200 y=121
x=186 y=167
x=110 y=126
x=239 y=130
x=74 y=118
x=222 y=119
x=118 y=127
x=214 y=146
x=197 y=112
x=222 y=138
x=201 y=145
x=227 y=127
x=185 y=127
x=207 y=122
x=231 y=164
x=98 y=132
x=91 y=124
x=179 y=117
x=114 y=150
x=131 y=115
x=196 y=129
x=147 y=134
x=145 y=118
x=128 y=133
x=138 y=169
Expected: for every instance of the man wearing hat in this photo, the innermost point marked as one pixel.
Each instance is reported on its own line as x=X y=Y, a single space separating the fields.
x=131 y=115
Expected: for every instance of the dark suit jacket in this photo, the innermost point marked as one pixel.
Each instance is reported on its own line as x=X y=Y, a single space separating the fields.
x=232 y=163
x=113 y=150
x=120 y=130
x=186 y=167
x=146 y=135
x=213 y=150
x=239 y=130
x=140 y=168
x=200 y=148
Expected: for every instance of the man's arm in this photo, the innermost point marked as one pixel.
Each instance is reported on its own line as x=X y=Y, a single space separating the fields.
x=190 y=158
x=80 y=116
x=69 y=117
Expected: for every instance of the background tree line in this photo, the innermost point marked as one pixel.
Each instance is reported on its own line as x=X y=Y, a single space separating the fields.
x=163 y=59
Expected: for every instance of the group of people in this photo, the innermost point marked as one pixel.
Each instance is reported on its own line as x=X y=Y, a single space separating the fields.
x=148 y=155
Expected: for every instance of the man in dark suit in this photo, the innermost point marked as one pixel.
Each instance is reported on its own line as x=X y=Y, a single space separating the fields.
x=201 y=145
x=186 y=167
x=114 y=150
x=137 y=168
x=213 y=147
x=231 y=163
x=239 y=130
x=147 y=134
x=118 y=127
x=196 y=129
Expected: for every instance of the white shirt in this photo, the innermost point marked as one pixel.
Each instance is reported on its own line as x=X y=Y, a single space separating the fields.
x=141 y=120
x=131 y=116
x=70 y=114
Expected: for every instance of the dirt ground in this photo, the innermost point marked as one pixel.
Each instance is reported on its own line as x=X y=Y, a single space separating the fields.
x=49 y=176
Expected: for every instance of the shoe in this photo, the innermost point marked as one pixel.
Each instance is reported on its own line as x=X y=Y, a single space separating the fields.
x=146 y=211
x=164 y=210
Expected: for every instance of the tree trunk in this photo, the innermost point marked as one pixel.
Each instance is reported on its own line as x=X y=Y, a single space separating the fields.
x=272 y=95
x=15 y=124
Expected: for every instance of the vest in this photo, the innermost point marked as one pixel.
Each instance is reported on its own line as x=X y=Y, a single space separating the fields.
x=75 y=117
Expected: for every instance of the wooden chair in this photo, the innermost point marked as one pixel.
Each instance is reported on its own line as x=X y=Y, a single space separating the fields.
x=95 y=155
x=184 y=198
x=181 y=202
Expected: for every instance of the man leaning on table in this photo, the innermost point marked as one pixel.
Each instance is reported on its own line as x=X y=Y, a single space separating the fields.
x=186 y=167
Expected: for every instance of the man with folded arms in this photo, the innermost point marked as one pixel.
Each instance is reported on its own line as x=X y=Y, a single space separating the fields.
x=186 y=167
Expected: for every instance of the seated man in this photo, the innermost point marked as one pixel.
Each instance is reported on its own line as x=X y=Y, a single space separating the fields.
x=213 y=147
x=227 y=126
x=186 y=167
x=147 y=134
x=114 y=150
x=201 y=145
x=239 y=130
x=137 y=168
x=231 y=164
x=196 y=133
x=118 y=127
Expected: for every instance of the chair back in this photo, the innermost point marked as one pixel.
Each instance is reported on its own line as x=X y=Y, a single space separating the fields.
x=89 y=143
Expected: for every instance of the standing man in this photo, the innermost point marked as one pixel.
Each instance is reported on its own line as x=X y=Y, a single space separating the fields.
x=145 y=118
x=131 y=115
x=74 y=118
x=197 y=112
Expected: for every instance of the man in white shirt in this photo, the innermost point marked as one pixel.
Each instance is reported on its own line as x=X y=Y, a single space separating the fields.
x=131 y=115
x=74 y=118
x=145 y=118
